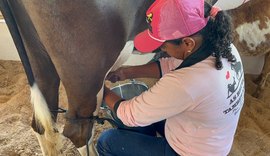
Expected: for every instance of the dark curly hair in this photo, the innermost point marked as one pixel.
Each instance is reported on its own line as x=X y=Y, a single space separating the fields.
x=217 y=34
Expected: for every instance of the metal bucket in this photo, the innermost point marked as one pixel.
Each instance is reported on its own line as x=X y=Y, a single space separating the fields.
x=128 y=90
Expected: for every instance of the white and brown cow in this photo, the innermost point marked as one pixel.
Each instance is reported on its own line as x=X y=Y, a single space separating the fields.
x=252 y=34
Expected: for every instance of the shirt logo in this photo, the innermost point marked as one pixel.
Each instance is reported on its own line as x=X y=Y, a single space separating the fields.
x=236 y=88
x=228 y=75
x=149 y=19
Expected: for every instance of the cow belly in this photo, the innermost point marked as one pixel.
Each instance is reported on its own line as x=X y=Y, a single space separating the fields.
x=253 y=64
x=136 y=58
x=122 y=58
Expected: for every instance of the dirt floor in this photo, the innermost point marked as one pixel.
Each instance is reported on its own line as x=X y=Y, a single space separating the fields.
x=17 y=138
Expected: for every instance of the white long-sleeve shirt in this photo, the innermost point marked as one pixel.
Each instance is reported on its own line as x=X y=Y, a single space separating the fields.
x=202 y=105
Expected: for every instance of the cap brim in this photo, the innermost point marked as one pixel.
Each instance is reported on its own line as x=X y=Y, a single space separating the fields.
x=144 y=43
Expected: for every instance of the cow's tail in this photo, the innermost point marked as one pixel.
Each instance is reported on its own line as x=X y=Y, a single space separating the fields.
x=51 y=141
x=48 y=141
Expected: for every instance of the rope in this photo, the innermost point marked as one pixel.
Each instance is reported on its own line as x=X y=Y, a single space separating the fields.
x=59 y=110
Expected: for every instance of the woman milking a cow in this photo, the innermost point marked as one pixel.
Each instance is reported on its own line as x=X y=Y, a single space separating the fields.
x=195 y=106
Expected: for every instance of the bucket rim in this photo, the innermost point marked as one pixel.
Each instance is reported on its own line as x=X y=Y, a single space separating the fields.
x=130 y=83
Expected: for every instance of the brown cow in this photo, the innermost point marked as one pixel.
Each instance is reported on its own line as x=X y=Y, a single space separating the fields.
x=75 y=42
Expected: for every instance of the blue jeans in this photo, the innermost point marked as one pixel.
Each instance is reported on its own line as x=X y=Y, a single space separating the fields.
x=138 y=142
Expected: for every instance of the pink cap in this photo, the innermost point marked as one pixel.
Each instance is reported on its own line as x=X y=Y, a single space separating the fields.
x=169 y=20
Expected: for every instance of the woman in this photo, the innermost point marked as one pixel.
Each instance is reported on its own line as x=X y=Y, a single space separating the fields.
x=195 y=106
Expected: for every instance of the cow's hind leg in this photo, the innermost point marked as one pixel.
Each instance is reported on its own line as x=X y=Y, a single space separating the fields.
x=44 y=79
x=43 y=124
x=263 y=77
x=44 y=97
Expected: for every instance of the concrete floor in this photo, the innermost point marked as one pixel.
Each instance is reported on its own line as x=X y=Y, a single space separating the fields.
x=7 y=47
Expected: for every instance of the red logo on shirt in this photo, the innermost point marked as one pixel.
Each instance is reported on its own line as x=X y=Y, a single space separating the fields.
x=228 y=75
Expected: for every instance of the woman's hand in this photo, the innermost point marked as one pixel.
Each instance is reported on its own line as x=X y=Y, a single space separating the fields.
x=110 y=98
x=118 y=75
x=150 y=70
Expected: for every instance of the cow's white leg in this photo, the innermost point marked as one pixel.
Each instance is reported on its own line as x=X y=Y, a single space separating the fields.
x=51 y=140
x=92 y=148
x=42 y=143
x=50 y=148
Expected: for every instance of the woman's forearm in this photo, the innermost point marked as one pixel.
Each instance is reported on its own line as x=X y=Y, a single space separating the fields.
x=110 y=98
x=151 y=70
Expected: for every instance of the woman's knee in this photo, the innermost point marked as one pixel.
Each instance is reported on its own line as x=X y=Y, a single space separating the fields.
x=106 y=139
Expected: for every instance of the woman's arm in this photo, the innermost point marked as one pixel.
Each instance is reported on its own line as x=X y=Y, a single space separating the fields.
x=151 y=70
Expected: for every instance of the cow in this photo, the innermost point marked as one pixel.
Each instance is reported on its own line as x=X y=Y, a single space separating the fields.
x=77 y=43
x=251 y=29
x=252 y=34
